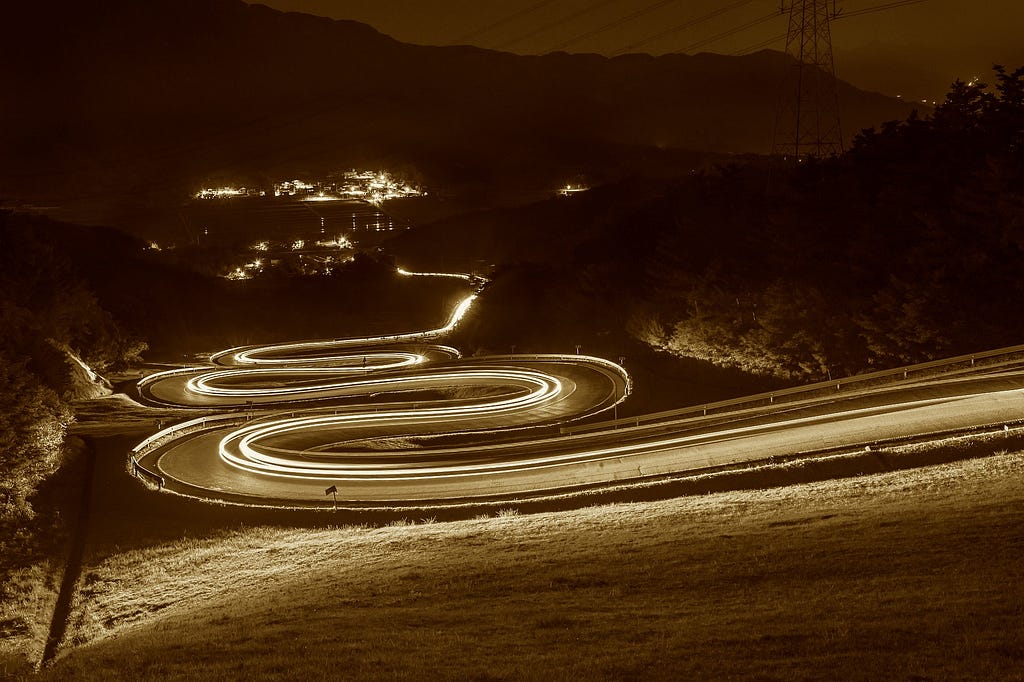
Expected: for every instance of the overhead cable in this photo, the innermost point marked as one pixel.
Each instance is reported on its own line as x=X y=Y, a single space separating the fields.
x=683 y=26
x=726 y=34
x=613 y=24
x=501 y=22
x=558 y=22
x=877 y=8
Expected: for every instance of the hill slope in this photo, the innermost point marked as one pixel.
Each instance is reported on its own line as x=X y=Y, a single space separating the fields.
x=907 y=574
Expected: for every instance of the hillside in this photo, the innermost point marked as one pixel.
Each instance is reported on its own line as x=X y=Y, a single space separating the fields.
x=137 y=103
x=899 y=575
x=907 y=247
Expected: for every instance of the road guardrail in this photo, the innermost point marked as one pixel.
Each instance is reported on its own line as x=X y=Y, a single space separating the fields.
x=173 y=432
x=769 y=398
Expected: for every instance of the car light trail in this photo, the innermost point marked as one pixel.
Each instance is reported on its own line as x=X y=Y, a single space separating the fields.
x=391 y=386
x=308 y=351
x=455 y=275
x=364 y=415
x=241 y=447
x=205 y=383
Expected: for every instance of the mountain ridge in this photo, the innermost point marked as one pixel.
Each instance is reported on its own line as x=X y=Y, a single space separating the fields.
x=141 y=100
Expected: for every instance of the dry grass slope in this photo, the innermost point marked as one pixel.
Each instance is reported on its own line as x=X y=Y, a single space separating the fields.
x=30 y=594
x=906 y=575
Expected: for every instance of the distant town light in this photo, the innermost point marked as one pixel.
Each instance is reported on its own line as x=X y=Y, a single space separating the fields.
x=221 y=192
x=569 y=190
x=373 y=187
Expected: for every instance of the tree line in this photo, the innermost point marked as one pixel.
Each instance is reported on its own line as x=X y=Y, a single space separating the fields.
x=905 y=248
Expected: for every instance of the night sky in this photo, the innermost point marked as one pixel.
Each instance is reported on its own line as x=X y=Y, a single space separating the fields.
x=919 y=47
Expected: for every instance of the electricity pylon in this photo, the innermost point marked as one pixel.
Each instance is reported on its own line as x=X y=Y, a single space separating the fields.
x=807 y=123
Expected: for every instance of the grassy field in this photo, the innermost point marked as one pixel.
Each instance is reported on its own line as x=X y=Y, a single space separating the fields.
x=904 y=575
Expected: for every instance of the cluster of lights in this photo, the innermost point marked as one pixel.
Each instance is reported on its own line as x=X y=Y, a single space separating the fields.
x=226 y=193
x=370 y=186
x=321 y=196
x=292 y=188
x=311 y=257
x=246 y=271
x=373 y=187
x=569 y=190
x=378 y=227
x=339 y=242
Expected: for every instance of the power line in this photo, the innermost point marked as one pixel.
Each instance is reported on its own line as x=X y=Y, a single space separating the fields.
x=840 y=15
x=501 y=22
x=760 y=45
x=726 y=34
x=877 y=8
x=558 y=22
x=612 y=24
x=683 y=26
x=664 y=33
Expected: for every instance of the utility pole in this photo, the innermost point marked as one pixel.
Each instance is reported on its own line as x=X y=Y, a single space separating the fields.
x=807 y=122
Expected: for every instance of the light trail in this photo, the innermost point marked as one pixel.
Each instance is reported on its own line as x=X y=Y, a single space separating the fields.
x=398 y=424
x=300 y=353
x=455 y=275
x=241 y=447
x=390 y=386
x=204 y=384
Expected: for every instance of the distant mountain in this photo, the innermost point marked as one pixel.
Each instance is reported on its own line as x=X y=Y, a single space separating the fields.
x=120 y=101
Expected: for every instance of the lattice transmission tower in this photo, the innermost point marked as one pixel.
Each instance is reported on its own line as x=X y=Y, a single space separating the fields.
x=807 y=122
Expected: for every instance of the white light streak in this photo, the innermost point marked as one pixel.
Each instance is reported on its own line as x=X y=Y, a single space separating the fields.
x=498 y=390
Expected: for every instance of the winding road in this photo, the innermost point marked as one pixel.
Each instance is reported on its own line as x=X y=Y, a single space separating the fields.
x=400 y=420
